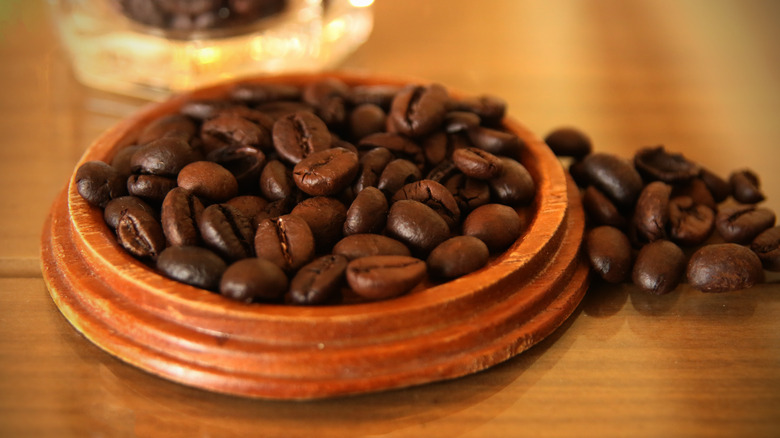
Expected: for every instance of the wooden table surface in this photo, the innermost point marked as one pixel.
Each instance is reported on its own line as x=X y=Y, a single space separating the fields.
x=699 y=76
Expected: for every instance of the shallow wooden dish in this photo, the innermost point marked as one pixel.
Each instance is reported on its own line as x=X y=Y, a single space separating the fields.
x=201 y=339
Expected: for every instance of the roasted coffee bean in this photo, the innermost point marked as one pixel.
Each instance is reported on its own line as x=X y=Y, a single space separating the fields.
x=659 y=267
x=433 y=195
x=230 y=129
x=397 y=174
x=367 y=213
x=260 y=93
x=150 y=188
x=724 y=267
x=416 y=225
x=697 y=190
x=276 y=181
x=490 y=109
x=442 y=172
x=381 y=277
x=457 y=256
x=380 y=95
x=371 y=165
x=690 y=223
x=327 y=172
x=328 y=96
x=569 y=142
x=655 y=163
x=192 y=265
x=418 y=110
x=767 y=246
x=719 y=187
x=253 y=279
x=225 y=230
x=208 y=180
x=363 y=245
x=366 y=119
x=469 y=193
x=117 y=206
x=652 y=211
x=140 y=234
x=600 y=210
x=299 y=135
x=172 y=125
x=460 y=121
x=614 y=176
x=609 y=252
x=97 y=182
x=165 y=156
x=287 y=241
x=746 y=187
x=244 y=163
x=318 y=281
x=477 y=163
x=180 y=213
x=498 y=225
x=439 y=146
x=326 y=218
x=741 y=224
x=121 y=160
x=496 y=142
x=514 y=185
x=250 y=207
x=400 y=146
x=578 y=174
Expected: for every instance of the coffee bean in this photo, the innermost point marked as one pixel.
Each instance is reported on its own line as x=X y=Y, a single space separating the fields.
x=613 y=176
x=600 y=210
x=690 y=223
x=719 y=187
x=400 y=146
x=659 y=267
x=150 y=188
x=172 y=125
x=416 y=225
x=367 y=213
x=457 y=256
x=328 y=97
x=192 y=265
x=514 y=185
x=724 y=267
x=443 y=171
x=569 y=142
x=609 y=252
x=745 y=187
x=327 y=172
x=165 y=157
x=741 y=224
x=418 y=110
x=433 y=195
x=460 y=121
x=97 y=182
x=208 y=180
x=117 y=206
x=234 y=130
x=180 y=213
x=287 y=241
x=121 y=160
x=469 y=193
x=498 y=225
x=397 y=174
x=140 y=234
x=767 y=246
x=476 y=163
x=697 y=190
x=363 y=245
x=318 y=281
x=497 y=142
x=655 y=163
x=326 y=218
x=245 y=163
x=276 y=181
x=366 y=119
x=250 y=207
x=371 y=165
x=381 y=277
x=299 y=135
x=225 y=230
x=253 y=279
x=439 y=146
x=652 y=211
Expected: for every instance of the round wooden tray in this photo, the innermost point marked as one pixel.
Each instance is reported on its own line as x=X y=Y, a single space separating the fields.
x=201 y=339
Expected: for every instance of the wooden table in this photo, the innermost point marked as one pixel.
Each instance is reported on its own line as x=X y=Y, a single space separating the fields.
x=701 y=77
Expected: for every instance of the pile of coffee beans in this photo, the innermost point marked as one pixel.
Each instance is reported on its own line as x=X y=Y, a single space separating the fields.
x=661 y=218
x=198 y=15
x=320 y=193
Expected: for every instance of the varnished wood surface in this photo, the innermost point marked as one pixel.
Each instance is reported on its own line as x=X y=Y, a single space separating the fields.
x=701 y=77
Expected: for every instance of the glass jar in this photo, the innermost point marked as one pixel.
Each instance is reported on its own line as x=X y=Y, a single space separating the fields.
x=152 y=48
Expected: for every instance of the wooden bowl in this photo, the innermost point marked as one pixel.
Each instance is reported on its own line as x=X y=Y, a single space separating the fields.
x=201 y=339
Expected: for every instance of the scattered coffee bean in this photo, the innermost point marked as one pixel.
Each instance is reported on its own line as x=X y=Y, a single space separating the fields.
x=741 y=224
x=718 y=187
x=600 y=210
x=745 y=187
x=651 y=212
x=609 y=252
x=724 y=267
x=655 y=163
x=767 y=246
x=690 y=223
x=569 y=142
x=659 y=267
x=613 y=176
